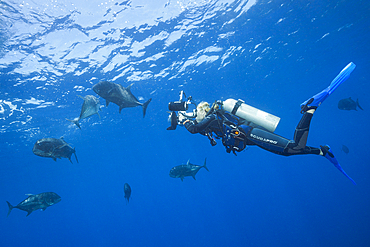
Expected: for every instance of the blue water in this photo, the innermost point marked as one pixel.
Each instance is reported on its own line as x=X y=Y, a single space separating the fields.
x=272 y=54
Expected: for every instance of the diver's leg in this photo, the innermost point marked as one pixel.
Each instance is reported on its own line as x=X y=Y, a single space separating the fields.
x=301 y=132
x=268 y=140
x=283 y=146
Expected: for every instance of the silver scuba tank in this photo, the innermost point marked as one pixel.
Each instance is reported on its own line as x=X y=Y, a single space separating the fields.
x=251 y=114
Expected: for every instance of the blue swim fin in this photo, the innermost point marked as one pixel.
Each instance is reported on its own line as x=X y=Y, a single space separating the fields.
x=330 y=156
x=316 y=100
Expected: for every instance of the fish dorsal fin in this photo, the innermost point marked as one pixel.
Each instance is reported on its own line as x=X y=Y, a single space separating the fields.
x=98 y=115
x=29 y=194
x=80 y=97
x=129 y=87
x=188 y=163
x=62 y=146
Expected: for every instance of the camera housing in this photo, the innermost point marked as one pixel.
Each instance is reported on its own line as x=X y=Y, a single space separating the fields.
x=178 y=106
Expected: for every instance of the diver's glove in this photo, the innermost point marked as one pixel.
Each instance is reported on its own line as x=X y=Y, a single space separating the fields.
x=181 y=117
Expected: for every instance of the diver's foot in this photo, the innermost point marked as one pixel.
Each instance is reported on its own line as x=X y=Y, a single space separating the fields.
x=315 y=101
x=306 y=107
x=326 y=151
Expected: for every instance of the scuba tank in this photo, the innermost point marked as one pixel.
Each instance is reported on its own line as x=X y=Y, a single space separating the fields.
x=251 y=114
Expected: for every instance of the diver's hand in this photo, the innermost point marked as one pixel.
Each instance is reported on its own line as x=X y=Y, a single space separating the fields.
x=181 y=118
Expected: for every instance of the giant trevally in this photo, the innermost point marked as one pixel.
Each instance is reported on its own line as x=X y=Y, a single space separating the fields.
x=345 y=149
x=113 y=92
x=348 y=104
x=34 y=202
x=54 y=148
x=127 y=191
x=189 y=169
x=90 y=107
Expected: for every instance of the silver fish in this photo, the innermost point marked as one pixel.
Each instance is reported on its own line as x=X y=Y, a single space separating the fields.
x=54 y=148
x=127 y=190
x=113 y=92
x=90 y=107
x=189 y=169
x=345 y=149
x=349 y=104
x=34 y=202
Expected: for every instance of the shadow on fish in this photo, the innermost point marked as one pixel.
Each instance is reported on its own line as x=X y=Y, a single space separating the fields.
x=127 y=190
x=34 y=202
x=187 y=170
x=348 y=104
x=54 y=148
x=113 y=92
x=90 y=107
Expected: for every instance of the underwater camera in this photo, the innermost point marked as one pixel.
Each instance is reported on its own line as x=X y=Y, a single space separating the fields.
x=181 y=105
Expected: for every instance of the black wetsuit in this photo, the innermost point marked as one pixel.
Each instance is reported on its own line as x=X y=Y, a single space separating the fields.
x=236 y=137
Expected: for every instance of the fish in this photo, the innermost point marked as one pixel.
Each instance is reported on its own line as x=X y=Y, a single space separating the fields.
x=187 y=170
x=345 y=149
x=113 y=92
x=348 y=104
x=54 y=148
x=127 y=190
x=173 y=119
x=34 y=202
x=90 y=107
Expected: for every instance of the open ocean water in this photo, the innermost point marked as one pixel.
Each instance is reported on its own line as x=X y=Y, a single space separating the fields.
x=272 y=54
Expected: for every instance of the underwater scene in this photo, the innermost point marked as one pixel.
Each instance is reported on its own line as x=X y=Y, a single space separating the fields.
x=184 y=123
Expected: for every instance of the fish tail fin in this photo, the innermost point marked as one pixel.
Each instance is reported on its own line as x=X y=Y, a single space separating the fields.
x=145 y=105
x=205 y=164
x=75 y=121
x=75 y=155
x=10 y=208
x=358 y=105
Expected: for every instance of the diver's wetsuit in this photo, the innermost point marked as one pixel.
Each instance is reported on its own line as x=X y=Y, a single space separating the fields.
x=225 y=127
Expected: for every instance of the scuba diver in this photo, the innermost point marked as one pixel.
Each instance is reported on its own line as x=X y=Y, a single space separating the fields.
x=239 y=125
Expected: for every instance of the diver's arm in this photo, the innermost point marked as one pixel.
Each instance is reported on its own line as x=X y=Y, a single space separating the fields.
x=196 y=128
